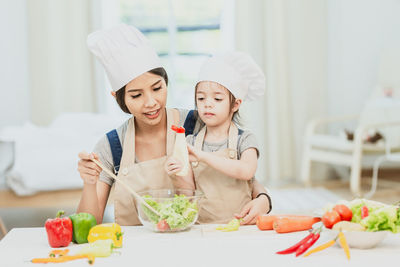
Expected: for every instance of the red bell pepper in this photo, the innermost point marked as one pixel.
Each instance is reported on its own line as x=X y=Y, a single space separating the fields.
x=59 y=231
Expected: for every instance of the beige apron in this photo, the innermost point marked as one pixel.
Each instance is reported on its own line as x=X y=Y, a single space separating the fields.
x=223 y=195
x=141 y=176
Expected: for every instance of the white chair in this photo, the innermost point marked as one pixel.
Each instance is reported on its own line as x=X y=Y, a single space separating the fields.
x=389 y=156
x=381 y=111
x=336 y=150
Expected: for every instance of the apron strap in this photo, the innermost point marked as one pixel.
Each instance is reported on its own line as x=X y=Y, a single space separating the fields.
x=198 y=143
x=172 y=119
x=116 y=148
x=232 y=141
x=190 y=123
x=129 y=144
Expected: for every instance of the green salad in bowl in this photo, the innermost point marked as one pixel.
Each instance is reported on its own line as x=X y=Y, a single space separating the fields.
x=364 y=223
x=178 y=209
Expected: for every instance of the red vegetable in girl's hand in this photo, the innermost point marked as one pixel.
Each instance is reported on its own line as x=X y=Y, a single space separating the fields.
x=344 y=212
x=330 y=218
x=364 y=212
x=178 y=129
x=59 y=231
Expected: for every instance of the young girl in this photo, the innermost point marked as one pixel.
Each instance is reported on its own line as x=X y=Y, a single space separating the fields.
x=223 y=157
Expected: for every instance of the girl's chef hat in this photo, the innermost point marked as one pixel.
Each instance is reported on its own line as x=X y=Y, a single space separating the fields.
x=124 y=52
x=237 y=72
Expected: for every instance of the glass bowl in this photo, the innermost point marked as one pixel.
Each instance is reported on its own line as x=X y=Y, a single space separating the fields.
x=356 y=239
x=178 y=208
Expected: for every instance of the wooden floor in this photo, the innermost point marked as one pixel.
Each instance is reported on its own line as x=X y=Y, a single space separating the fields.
x=388 y=191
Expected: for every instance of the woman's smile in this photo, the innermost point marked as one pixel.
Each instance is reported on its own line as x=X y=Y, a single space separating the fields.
x=152 y=114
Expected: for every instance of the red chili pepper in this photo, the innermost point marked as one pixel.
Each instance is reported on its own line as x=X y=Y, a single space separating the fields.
x=307 y=245
x=297 y=245
x=178 y=129
x=364 y=212
x=59 y=231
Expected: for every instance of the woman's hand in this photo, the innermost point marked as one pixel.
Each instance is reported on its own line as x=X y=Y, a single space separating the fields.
x=88 y=170
x=253 y=209
x=172 y=166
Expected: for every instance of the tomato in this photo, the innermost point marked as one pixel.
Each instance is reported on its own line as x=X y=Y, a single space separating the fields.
x=330 y=218
x=344 y=212
x=162 y=225
x=364 y=212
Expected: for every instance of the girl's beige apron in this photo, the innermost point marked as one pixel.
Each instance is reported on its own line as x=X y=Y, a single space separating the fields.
x=223 y=195
x=141 y=176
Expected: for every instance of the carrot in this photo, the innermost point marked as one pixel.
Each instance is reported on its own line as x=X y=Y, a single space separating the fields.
x=343 y=244
x=61 y=259
x=59 y=252
x=265 y=222
x=321 y=247
x=292 y=224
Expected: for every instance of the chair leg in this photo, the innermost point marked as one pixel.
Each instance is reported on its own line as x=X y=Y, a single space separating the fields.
x=375 y=176
x=305 y=173
x=355 y=176
x=3 y=228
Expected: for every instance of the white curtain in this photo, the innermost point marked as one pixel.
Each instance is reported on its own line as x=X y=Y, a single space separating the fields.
x=288 y=38
x=60 y=66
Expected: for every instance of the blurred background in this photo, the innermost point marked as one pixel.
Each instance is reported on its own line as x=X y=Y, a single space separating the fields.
x=322 y=59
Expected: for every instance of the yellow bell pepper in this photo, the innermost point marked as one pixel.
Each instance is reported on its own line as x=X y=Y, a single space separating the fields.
x=106 y=231
x=233 y=225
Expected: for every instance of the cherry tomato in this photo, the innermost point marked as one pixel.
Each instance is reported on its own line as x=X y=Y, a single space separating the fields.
x=344 y=212
x=364 y=212
x=162 y=225
x=330 y=218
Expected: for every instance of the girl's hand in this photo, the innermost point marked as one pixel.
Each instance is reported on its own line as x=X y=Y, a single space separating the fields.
x=253 y=209
x=194 y=154
x=172 y=166
x=88 y=170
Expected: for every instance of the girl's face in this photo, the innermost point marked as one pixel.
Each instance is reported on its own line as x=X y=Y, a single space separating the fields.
x=145 y=97
x=214 y=104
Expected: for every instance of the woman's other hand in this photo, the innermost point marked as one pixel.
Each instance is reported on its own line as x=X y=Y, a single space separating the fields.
x=88 y=170
x=172 y=166
x=253 y=209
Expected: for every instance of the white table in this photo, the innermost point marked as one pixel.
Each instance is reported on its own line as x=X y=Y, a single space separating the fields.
x=201 y=246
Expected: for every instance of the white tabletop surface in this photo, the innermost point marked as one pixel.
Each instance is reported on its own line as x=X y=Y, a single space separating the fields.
x=200 y=246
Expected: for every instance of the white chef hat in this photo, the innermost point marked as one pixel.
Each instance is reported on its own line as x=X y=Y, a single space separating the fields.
x=124 y=52
x=237 y=72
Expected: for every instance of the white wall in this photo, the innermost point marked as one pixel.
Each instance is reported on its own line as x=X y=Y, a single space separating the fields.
x=14 y=78
x=358 y=31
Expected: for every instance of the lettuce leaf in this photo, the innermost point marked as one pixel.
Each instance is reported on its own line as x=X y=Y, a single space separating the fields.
x=178 y=211
x=356 y=204
x=384 y=218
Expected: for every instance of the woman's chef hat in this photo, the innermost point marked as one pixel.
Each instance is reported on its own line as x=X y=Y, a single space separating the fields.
x=237 y=72
x=124 y=52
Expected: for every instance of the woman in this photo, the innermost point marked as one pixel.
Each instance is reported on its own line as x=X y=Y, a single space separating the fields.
x=139 y=85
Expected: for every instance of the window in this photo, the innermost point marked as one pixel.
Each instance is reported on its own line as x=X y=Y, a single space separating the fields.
x=184 y=33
